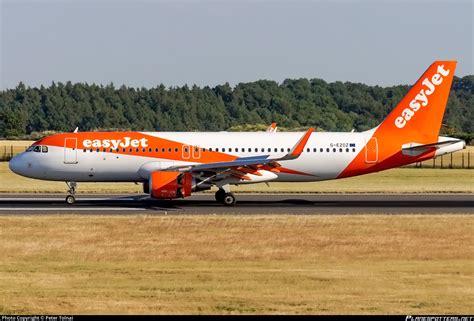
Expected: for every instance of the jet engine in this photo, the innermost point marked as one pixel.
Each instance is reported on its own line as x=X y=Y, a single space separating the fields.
x=169 y=185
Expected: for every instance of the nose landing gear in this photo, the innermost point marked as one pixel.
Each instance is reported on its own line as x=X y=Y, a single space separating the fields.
x=70 y=199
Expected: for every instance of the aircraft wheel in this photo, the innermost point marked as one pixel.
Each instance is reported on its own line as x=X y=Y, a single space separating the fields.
x=220 y=194
x=70 y=199
x=229 y=199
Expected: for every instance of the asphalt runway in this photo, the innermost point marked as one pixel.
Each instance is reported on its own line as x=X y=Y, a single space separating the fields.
x=247 y=204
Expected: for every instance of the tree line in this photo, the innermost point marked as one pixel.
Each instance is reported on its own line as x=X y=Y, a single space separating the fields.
x=293 y=104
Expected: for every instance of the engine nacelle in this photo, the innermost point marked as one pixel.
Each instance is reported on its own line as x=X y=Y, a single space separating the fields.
x=168 y=185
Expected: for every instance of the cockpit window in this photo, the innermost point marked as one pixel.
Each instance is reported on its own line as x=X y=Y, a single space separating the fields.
x=37 y=149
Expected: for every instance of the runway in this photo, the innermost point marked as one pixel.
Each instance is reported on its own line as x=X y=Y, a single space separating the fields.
x=247 y=204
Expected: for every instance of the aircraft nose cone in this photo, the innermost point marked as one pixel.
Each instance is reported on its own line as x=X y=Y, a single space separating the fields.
x=17 y=165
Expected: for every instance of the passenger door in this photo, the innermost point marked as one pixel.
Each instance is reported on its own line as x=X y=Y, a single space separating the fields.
x=70 y=151
x=371 y=151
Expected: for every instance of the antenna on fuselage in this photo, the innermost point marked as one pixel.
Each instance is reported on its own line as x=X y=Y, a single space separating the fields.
x=76 y=130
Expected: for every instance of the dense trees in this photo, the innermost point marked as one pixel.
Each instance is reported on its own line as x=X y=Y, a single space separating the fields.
x=294 y=104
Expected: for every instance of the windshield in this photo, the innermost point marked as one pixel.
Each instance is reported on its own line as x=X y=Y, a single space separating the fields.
x=37 y=149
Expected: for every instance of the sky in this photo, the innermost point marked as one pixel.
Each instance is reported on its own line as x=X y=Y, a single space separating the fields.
x=146 y=43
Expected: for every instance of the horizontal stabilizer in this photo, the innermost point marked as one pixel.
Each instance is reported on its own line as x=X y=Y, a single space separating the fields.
x=414 y=149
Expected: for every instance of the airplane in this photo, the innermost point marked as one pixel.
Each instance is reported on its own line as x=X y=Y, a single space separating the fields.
x=174 y=165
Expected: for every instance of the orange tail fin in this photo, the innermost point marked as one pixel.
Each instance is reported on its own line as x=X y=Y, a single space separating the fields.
x=417 y=118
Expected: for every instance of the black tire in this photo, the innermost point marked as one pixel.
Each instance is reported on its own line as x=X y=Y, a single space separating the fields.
x=70 y=199
x=229 y=199
x=220 y=194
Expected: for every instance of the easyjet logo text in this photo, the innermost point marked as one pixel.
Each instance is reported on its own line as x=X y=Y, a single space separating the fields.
x=115 y=143
x=422 y=98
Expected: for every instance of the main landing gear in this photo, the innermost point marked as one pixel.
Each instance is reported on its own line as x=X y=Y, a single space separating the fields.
x=225 y=197
x=70 y=199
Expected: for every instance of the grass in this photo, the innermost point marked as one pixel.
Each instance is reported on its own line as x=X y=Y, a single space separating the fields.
x=378 y=264
x=401 y=180
x=15 y=143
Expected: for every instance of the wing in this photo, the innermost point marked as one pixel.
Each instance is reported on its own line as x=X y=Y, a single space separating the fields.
x=249 y=165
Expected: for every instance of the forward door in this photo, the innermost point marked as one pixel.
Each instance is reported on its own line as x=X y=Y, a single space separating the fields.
x=70 y=151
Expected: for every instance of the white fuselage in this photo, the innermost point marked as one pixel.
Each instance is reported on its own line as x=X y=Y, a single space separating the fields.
x=324 y=156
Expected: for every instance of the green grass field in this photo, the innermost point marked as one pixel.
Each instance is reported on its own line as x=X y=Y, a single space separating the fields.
x=401 y=180
x=377 y=264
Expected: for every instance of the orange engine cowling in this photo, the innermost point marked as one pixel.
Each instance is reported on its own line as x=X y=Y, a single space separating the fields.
x=167 y=185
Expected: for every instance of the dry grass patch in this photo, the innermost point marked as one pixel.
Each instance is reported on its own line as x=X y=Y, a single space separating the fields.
x=215 y=264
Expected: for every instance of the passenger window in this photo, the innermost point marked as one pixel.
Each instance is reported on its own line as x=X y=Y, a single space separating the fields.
x=104 y=150
x=84 y=150
x=333 y=150
x=288 y=150
x=315 y=150
x=354 y=150
x=256 y=149
x=282 y=150
x=91 y=150
x=269 y=150
x=263 y=149
x=150 y=150
x=250 y=150
x=340 y=150
x=275 y=150
x=137 y=150
x=156 y=150
x=321 y=150
x=169 y=150
x=327 y=150
x=347 y=150
x=308 y=150
x=230 y=149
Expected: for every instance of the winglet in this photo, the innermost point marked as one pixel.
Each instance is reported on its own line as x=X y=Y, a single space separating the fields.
x=272 y=128
x=299 y=147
